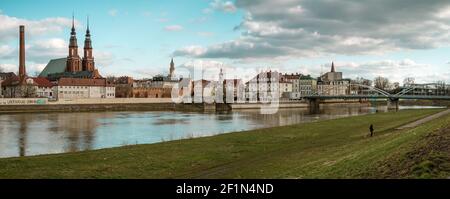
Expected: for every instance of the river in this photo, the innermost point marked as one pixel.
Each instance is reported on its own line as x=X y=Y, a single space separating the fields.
x=47 y=133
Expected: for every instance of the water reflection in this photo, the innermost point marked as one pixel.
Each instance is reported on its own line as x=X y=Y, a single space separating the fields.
x=33 y=134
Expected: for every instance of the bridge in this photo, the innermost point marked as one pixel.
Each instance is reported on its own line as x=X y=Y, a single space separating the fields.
x=373 y=93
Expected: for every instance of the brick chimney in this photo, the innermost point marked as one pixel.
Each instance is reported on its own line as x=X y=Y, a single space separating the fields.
x=22 y=71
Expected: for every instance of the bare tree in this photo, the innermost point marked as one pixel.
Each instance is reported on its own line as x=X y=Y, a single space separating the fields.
x=356 y=87
x=381 y=83
x=407 y=82
x=440 y=88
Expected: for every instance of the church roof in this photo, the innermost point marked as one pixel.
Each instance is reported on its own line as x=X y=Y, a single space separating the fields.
x=78 y=74
x=54 y=66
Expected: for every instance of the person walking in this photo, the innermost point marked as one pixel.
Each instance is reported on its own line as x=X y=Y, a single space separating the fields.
x=371 y=130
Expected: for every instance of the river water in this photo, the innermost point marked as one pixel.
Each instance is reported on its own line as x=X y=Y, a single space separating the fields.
x=46 y=133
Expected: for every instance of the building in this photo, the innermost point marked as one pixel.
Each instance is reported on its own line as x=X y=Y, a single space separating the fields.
x=77 y=88
x=75 y=77
x=332 y=83
x=21 y=85
x=124 y=86
x=295 y=80
x=4 y=76
x=285 y=89
x=203 y=90
x=437 y=89
x=169 y=81
x=234 y=90
x=43 y=87
x=73 y=66
x=172 y=70
x=307 y=86
x=264 y=87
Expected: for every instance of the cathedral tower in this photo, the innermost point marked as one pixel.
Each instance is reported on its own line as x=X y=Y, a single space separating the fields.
x=73 y=60
x=88 y=59
x=172 y=69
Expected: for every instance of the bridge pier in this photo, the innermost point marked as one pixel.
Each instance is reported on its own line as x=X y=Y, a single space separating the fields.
x=392 y=103
x=314 y=105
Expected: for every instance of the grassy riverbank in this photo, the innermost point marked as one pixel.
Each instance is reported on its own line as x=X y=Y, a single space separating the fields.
x=327 y=149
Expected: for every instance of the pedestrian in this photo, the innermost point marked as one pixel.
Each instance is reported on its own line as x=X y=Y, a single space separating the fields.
x=371 y=130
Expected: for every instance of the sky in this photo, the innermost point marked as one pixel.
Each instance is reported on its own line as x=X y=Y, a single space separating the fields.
x=364 y=38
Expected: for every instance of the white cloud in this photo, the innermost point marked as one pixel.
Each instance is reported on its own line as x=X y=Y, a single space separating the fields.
x=9 y=67
x=190 y=50
x=6 y=52
x=224 y=6
x=395 y=70
x=9 y=29
x=103 y=58
x=173 y=28
x=320 y=28
x=113 y=12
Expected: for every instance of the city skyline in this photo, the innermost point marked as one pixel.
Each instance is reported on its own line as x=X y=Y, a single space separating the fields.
x=140 y=39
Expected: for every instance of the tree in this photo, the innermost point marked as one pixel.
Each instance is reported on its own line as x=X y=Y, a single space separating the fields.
x=407 y=82
x=381 y=83
x=356 y=87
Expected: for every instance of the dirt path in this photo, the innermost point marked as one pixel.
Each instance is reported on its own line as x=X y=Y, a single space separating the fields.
x=423 y=120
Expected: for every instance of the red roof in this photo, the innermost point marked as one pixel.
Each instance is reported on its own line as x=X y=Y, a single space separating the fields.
x=82 y=82
x=42 y=82
x=11 y=81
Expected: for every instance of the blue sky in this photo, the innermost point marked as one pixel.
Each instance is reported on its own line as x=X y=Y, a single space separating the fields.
x=138 y=38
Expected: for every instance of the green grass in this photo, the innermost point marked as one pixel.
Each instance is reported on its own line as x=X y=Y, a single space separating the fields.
x=336 y=148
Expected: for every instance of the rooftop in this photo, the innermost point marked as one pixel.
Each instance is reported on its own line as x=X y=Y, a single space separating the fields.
x=54 y=66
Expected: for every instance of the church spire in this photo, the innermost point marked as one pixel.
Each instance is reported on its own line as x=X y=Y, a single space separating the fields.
x=73 y=34
x=332 y=67
x=73 y=60
x=87 y=41
x=73 y=23
x=171 y=69
x=88 y=60
x=88 y=32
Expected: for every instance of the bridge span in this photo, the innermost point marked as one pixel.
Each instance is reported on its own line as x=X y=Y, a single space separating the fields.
x=315 y=99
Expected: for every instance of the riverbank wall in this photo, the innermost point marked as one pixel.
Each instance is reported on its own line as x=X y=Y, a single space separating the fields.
x=136 y=104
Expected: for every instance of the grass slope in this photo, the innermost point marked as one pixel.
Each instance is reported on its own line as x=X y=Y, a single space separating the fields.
x=336 y=148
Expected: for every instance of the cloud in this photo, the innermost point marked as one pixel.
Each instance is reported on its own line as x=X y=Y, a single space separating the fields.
x=190 y=50
x=8 y=67
x=173 y=28
x=103 y=58
x=42 y=51
x=9 y=30
x=318 y=28
x=199 y=20
x=6 y=52
x=113 y=12
x=395 y=70
x=220 y=5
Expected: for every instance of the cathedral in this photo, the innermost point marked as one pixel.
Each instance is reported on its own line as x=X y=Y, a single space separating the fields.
x=73 y=66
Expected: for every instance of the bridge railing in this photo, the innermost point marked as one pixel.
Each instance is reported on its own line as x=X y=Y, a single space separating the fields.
x=370 y=91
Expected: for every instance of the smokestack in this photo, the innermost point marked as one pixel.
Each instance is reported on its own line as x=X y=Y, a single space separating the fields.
x=22 y=71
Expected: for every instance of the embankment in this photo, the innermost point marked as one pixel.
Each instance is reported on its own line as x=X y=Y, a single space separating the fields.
x=337 y=148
